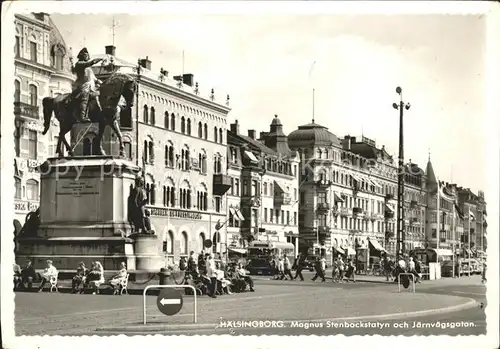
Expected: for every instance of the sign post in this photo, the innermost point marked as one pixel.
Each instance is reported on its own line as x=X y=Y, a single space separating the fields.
x=169 y=300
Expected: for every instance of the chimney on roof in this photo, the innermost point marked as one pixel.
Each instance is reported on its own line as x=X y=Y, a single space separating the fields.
x=251 y=134
x=346 y=144
x=145 y=63
x=235 y=128
x=110 y=50
x=188 y=79
x=353 y=140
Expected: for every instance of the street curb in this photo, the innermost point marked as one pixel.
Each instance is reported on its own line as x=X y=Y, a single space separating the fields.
x=471 y=303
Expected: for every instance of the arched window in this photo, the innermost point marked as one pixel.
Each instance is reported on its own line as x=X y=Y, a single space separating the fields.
x=32 y=191
x=145 y=114
x=152 y=118
x=188 y=127
x=151 y=152
x=215 y=134
x=184 y=243
x=201 y=240
x=165 y=120
x=202 y=198
x=17 y=91
x=172 y=122
x=17 y=194
x=215 y=241
x=220 y=136
x=205 y=131
x=33 y=95
x=185 y=195
x=183 y=125
x=128 y=149
x=200 y=129
x=169 y=245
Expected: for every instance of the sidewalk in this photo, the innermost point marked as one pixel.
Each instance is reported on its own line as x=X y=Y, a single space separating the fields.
x=464 y=280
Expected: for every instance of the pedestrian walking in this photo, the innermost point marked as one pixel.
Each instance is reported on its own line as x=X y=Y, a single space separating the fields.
x=299 y=267
x=286 y=268
x=319 y=270
x=341 y=266
x=212 y=274
x=281 y=269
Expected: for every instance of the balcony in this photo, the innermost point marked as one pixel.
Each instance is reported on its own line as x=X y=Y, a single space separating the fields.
x=323 y=229
x=282 y=199
x=389 y=215
x=323 y=183
x=357 y=211
x=389 y=234
x=345 y=212
x=221 y=184
x=413 y=203
x=323 y=206
x=28 y=111
x=389 y=197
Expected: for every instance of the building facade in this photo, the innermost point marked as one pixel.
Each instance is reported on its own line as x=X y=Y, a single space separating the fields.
x=472 y=214
x=264 y=195
x=42 y=69
x=178 y=136
x=348 y=195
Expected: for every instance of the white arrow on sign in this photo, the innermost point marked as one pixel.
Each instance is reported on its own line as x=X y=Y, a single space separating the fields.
x=164 y=301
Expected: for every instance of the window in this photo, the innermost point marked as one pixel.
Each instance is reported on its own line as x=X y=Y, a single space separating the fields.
x=128 y=149
x=185 y=163
x=321 y=198
x=33 y=144
x=215 y=134
x=185 y=198
x=295 y=194
x=145 y=114
x=172 y=122
x=17 y=47
x=277 y=216
x=200 y=130
x=33 y=95
x=233 y=155
x=220 y=136
x=59 y=61
x=295 y=218
x=183 y=125
x=265 y=215
x=32 y=192
x=202 y=200
x=188 y=127
x=33 y=51
x=265 y=188
x=287 y=218
x=169 y=195
x=153 y=117
x=184 y=243
x=17 y=91
x=169 y=156
x=218 y=203
x=165 y=120
x=168 y=245
x=205 y=131
x=201 y=241
x=282 y=217
x=236 y=187
x=271 y=217
x=245 y=188
x=254 y=188
x=17 y=194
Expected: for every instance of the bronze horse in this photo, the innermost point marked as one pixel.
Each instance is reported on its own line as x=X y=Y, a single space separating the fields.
x=63 y=106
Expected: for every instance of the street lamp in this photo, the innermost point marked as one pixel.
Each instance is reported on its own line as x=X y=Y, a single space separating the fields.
x=400 y=247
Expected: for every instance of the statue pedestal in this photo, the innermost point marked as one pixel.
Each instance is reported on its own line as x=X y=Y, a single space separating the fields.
x=84 y=215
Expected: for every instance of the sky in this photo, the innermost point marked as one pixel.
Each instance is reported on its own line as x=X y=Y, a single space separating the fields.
x=269 y=64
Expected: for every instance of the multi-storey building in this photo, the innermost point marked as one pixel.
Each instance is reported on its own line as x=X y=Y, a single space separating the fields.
x=347 y=194
x=263 y=199
x=473 y=210
x=42 y=69
x=179 y=137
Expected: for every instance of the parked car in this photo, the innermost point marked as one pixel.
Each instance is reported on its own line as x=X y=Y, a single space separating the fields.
x=259 y=267
x=447 y=269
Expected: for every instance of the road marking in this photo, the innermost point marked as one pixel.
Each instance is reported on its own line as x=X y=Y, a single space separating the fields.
x=476 y=294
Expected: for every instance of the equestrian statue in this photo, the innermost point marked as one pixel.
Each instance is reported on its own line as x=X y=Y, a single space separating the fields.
x=91 y=101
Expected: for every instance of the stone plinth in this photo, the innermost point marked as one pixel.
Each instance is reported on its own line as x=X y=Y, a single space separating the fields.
x=148 y=252
x=83 y=214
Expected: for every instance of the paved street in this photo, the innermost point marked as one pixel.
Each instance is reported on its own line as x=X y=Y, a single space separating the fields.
x=60 y=314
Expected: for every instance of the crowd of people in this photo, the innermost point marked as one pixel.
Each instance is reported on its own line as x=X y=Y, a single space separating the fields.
x=85 y=278
x=405 y=264
x=213 y=277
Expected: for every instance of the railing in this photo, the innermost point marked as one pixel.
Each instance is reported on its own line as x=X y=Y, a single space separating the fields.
x=357 y=211
x=26 y=110
x=283 y=199
x=344 y=211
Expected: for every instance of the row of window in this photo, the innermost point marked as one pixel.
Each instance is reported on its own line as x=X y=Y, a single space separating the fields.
x=32 y=144
x=252 y=188
x=273 y=165
x=33 y=93
x=183 y=108
x=184 y=198
x=30 y=191
x=358 y=224
x=149 y=117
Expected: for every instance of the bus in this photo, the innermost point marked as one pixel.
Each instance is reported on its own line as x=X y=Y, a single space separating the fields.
x=261 y=253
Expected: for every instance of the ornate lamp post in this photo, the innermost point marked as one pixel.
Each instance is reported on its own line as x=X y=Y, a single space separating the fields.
x=400 y=238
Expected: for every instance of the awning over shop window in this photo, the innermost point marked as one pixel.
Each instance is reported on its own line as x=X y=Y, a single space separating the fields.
x=231 y=210
x=338 y=249
x=238 y=215
x=337 y=198
x=251 y=156
x=278 y=185
x=356 y=178
x=390 y=208
x=375 y=183
x=376 y=245
x=350 y=251
x=237 y=250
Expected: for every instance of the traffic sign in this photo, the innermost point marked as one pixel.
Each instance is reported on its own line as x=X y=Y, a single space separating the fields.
x=169 y=301
x=207 y=243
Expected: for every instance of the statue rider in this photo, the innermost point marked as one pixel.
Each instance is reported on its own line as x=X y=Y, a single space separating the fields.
x=86 y=84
